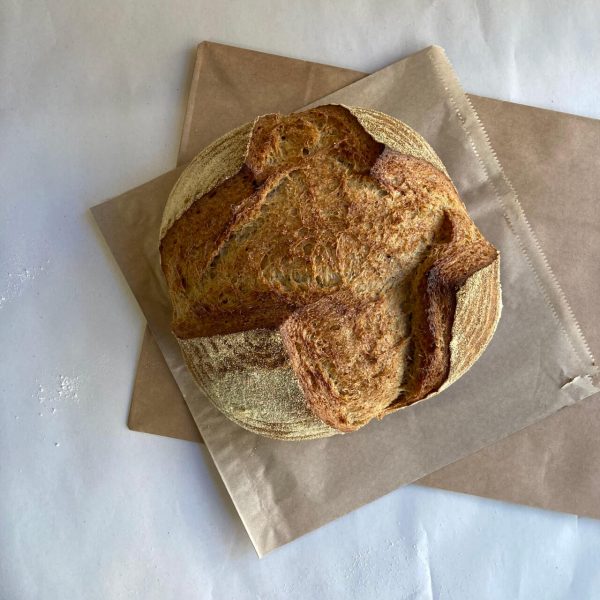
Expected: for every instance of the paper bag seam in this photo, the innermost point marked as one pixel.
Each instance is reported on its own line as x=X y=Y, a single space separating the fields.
x=546 y=293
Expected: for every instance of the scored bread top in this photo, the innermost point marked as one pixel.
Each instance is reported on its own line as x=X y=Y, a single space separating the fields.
x=325 y=261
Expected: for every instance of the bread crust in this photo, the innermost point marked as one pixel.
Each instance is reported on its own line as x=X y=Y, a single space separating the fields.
x=323 y=272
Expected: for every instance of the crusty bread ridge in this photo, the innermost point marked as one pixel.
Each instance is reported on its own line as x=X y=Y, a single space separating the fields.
x=323 y=271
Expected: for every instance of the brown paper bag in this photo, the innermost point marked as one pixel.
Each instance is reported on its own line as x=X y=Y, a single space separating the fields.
x=536 y=364
x=553 y=464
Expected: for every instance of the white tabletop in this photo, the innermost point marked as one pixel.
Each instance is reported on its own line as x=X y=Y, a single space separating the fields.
x=91 y=104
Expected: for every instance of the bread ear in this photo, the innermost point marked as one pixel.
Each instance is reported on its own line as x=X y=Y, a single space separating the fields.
x=396 y=135
x=456 y=308
x=218 y=161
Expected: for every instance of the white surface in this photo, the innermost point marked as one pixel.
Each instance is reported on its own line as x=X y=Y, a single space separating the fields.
x=91 y=103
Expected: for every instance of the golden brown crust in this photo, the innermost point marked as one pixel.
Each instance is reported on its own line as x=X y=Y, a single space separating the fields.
x=341 y=234
x=345 y=351
x=450 y=263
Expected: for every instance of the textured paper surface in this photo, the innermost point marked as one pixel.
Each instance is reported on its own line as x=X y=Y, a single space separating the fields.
x=282 y=490
x=550 y=157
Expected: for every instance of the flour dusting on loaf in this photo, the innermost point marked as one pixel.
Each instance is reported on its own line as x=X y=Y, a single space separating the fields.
x=323 y=272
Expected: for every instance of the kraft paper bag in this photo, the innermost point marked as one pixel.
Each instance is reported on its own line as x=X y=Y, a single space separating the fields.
x=537 y=363
x=553 y=161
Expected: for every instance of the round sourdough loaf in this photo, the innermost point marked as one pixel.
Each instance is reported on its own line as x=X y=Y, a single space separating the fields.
x=323 y=271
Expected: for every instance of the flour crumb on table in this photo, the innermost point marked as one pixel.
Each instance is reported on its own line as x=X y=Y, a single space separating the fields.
x=63 y=391
x=17 y=281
